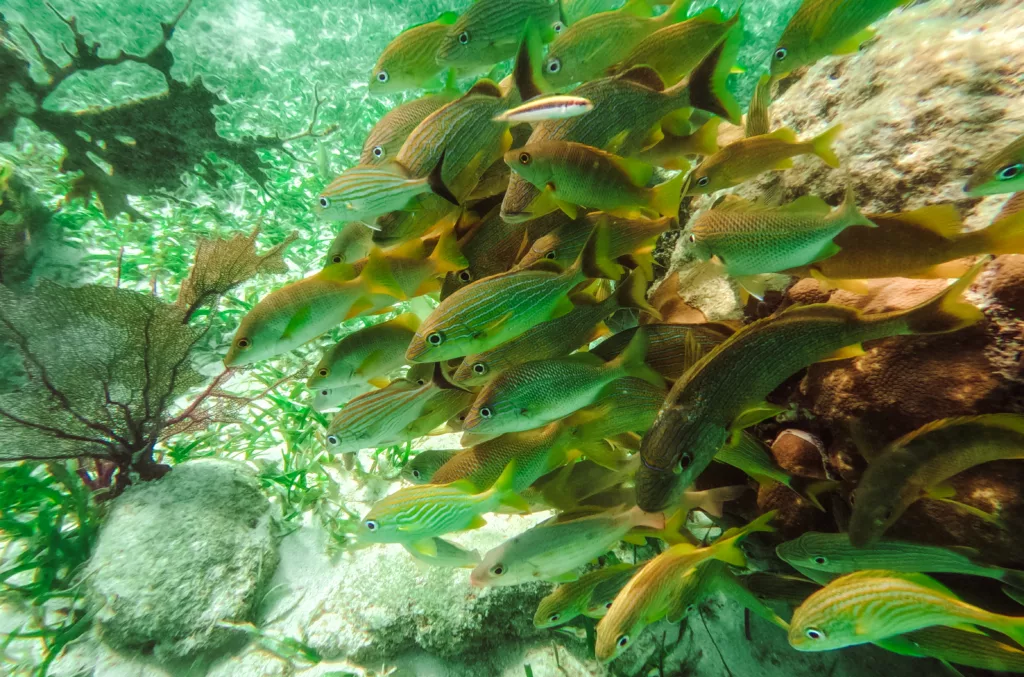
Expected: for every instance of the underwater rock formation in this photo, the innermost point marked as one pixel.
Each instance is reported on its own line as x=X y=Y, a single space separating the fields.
x=181 y=559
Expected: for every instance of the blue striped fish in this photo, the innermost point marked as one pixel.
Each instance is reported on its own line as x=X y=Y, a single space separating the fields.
x=362 y=193
x=489 y=31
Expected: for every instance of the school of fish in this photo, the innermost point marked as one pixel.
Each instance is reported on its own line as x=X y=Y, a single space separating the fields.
x=528 y=211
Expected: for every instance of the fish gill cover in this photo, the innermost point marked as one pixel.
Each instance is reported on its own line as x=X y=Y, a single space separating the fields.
x=779 y=358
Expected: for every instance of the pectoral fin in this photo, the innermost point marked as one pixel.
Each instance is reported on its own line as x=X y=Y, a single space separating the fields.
x=426 y=547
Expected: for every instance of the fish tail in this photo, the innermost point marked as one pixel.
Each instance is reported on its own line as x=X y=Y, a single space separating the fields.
x=946 y=312
x=651 y=520
x=676 y=12
x=850 y=214
x=595 y=259
x=706 y=88
x=632 y=293
x=526 y=72
x=436 y=183
x=705 y=139
x=1006 y=235
x=812 y=490
x=821 y=145
x=667 y=196
x=447 y=256
x=503 y=489
x=631 y=361
x=1013 y=578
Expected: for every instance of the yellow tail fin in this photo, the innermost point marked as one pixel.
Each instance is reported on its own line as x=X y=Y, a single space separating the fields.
x=946 y=312
x=631 y=361
x=1006 y=236
x=821 y=145
x=667 y=196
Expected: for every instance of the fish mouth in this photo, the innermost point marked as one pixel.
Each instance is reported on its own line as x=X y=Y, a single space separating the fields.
x=655 y=488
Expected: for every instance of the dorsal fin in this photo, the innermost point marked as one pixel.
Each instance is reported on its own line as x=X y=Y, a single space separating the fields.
x=485 y=87
x=644 y=76
x=784 y=134
x=943 y=220
x=808 y=203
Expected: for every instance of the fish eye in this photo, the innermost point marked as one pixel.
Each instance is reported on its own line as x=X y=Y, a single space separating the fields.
x=553 y=618
x=325 y=393
x=464 y=37
x=336 y=258
x=524 y=158
x=383 y=77
x=479 y=368
x=323 y=373
x=416 y=474
x=497 y=570
x=332 y=439
x=1011 y=172
x=554 y=65
x=485 y=412
x=378 y=151
x=435 y=338
x=684 y=461
x=781 y=53
x=558 y=27
x=821 y=559
x=550 y=255
x=325 y=203
x=703 y=181
x=623 y=641
x=465 y=276
x=690 y=608
x=692 y=238
x=243 y=343
x=371 y=525
x=814 y=633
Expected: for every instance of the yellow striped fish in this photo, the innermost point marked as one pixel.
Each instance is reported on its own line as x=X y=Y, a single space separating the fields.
x=554 y=338
x=490 y=30
x=873 y=605
x=573 y=599
x=634 y=236
x=498 y=308
x=650 y=594
x=413 y=516
x=367 y=355
x=353 y=242
x=387 y=136
x=963 y=647
x=421 y=468
x=408 y=62
x=364 y=193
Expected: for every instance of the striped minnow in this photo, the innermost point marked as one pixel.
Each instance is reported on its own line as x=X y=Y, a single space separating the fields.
x=650 y=594
x=378 y=417
x=920 y=462
x=363 y=193
x=387 y=136
x=366 y=355
x=547 y=108
x=554 y=338
x=873 y=605
x=572 y=598
x=489 y=31
x=490 y=311
x=724 y=392
x=554 y=549
x=408 y=62
x=413 y=516
x=822 y=556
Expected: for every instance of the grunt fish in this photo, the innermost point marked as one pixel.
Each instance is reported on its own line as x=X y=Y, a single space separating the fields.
x=869 y=606
x=743 y=160
x=446 y=554
x=553 y=549
x=409 y=61
x=574 y=175
x=554 y=338
x=823 y=27
x=650 y=594
x=576 y=10
x=421 y=468
x=576 y=598
x=724 y=392
x=535 y=393
x=671 y=152
x=1001 y=173
x=353 y=242
x=490 y=30
x=591 y=46
x=414 y=516
x=828 y=554
x=671 y=348
x=387 y=136
x=627 y=236
x=675 y=50
x=750 y=238
x=918 y=464
x=325 y=399
x=366 y=355
x=963 y=647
